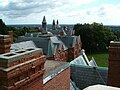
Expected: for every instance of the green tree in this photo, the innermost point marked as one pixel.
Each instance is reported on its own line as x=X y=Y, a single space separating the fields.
x=3 y=28
x=95 y=37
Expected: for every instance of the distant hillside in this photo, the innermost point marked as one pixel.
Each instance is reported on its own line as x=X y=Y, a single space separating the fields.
x=114 y=28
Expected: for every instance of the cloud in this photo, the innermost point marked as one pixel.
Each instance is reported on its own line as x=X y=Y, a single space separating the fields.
x=67 y=11
x=22 y=8
x=106 y=14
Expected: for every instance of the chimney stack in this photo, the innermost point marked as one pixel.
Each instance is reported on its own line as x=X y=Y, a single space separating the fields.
x=5 y=44
x=10 y=33
x=114 y=64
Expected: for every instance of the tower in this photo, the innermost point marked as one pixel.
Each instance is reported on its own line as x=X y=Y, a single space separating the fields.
x=57 y=22
x=57 y=26
x=53 y=25
x=44 y=25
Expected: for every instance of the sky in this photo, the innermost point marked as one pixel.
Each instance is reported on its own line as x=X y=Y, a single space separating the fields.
x=66 y=11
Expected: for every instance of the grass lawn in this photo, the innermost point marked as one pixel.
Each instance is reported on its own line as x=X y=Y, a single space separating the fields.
x=100 y=58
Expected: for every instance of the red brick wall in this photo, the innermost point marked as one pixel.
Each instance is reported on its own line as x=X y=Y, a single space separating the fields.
x=10 y=33
x=70 y=54
x=114 y=66
x=25 y=76
x=35 y=85
x=59 y=82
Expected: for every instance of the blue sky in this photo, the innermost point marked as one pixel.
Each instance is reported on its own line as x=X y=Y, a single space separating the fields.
x=66 y=11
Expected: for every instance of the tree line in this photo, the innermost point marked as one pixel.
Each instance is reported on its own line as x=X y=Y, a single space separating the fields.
x=95 y=37
x=17 y=31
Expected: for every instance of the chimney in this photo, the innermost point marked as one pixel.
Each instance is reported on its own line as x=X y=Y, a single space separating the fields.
x=5 y=43
x=10 y=33
x=114 y=64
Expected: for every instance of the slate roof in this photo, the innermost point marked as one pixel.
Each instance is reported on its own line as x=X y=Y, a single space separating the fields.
x=79 y=61
x=68 y=40
x=22 y=45
x=85 y=73
x=47 y=43
x=57 y=42
x=58 y=31
x=39 y=42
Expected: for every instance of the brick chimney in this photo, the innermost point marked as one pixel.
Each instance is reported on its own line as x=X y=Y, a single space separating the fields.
x=22 y=70
x=114 y=64
x=10 y=33
x=5 y=43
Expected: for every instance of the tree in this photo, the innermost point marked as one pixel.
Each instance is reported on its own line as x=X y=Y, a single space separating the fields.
x=95 y=37
x=3 y=28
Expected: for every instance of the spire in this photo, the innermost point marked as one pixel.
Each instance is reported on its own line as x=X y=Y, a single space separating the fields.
x=57 y=25
x=57 y=22
x=44 y=25
x=53 y=26
x=44 y=20
x=53 y=22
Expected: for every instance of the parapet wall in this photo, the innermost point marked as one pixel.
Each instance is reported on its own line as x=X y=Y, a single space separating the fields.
x=14 y=58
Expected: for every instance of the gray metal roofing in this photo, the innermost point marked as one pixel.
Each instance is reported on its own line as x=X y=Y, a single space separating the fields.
x=79 y=61
x=48 y=43
x=42 y=42
x=55 y=32
x=39 y=42
x=68 y=40
x=57 y=42
x=22 y=45
x=84 y=76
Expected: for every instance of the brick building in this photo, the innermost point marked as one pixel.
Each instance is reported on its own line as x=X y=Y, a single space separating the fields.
x=54 y=70
x=114 y=64
x=58 y=48
x=21 y=69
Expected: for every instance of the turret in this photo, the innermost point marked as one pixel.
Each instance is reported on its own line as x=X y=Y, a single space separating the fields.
x=57 y=26
x=57 y=22
x=53 y=25
x=44 y=25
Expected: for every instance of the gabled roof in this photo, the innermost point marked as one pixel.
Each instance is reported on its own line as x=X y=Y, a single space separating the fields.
x=48 y=44
x=68 y=40
x=57 y=42
x=79 y=61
